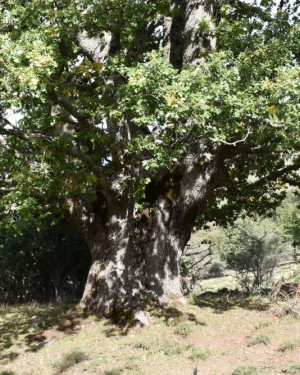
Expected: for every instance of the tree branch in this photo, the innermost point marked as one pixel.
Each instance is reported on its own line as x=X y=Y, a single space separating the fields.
x=272 y=176
x=73 y=151
x=82 y=119
x=6 y=29
x=7 y=189
x=199 y=261
x=235 y=142
x=102 y=178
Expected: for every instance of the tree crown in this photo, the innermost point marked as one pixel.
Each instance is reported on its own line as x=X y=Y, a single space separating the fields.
x=103 y=110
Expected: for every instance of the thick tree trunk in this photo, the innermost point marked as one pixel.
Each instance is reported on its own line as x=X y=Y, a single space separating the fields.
x=183 y=38
x=135 y=254
x=137 y=260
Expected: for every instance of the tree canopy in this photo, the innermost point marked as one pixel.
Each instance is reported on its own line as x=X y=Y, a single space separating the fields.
x=241 y=99
x=136 y=117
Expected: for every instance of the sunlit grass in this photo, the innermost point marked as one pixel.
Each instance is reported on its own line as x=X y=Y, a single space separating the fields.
x=262 y=339
x=174 y=343
x=290 y=345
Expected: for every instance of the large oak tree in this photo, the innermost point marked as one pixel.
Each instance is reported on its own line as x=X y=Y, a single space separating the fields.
x=137 y=118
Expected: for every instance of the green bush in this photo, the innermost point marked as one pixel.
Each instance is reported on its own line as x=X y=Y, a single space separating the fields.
x=252 y=249
x=41 y=265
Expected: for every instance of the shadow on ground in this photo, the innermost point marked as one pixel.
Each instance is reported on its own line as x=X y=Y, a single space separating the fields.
x=225 y=300
x=122 y=324
x=173 y=316
x=24 y=326
x=69 y=360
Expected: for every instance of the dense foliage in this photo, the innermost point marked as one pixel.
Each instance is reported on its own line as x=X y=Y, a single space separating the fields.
x=245 y=94
x=288 y=219
x=42 y=265
x=253 y=250
x=135 y=118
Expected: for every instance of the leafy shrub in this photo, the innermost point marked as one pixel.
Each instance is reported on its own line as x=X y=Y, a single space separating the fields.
x=116 y=371
x=170 y=348
x=201 y=257
x=252 y=249
x=34 y=264
x=215 y=270
x=262 y=324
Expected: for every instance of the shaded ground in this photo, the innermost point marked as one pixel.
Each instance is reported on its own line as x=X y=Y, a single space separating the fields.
x=240 y=337
x=29 y=327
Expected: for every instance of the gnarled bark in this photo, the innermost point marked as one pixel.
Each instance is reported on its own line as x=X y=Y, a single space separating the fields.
x=184 y=40
x=136 y=257
x=136 y=253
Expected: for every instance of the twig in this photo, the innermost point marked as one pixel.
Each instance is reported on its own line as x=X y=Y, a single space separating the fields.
x=232 y=143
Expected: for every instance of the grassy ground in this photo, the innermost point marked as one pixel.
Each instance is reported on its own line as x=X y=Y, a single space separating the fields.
x=284 y=272
x=218 y=334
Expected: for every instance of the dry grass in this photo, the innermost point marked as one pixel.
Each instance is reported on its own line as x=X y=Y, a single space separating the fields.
x=220 y=334
x=294 y=369
x=47 y=340
x=262 y=339
x=290 y=345
x=246 y=370
x=70 y=360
